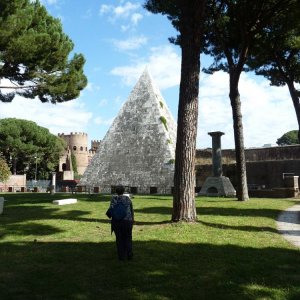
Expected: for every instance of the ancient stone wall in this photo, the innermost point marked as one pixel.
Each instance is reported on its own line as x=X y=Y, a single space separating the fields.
x=78 y=144
x=95 y=144
x=14 y=183
x=252 y=154
x=267 y=174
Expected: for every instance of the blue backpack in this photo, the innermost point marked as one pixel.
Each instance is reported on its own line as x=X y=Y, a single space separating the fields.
x=119 y=211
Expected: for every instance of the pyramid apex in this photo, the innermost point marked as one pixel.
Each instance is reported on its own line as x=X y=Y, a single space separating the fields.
x=146 y=73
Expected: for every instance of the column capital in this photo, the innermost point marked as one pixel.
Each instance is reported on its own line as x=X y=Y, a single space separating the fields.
x=216 y=133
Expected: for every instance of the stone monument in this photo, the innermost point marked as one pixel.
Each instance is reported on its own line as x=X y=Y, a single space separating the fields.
x=138 y=150
x=217 y=185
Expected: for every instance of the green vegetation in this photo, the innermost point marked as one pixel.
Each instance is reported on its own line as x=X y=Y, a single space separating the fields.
x=28 y=147
x=74 y=164
x=169 y=141
x=233 y=251
x=4 y=170
x=161 y=104
x=289 y=138
x=279 y=61
x=171 y=161
x=164 y=121
x=34 y=55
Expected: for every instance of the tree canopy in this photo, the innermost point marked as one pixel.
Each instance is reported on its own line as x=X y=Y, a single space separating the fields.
x=232 y=32
x=25 y=146
x=289 y=138
x=34 y=55
x=279 y=61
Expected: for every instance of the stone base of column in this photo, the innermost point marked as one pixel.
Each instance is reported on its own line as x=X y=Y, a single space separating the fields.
x=218 y=186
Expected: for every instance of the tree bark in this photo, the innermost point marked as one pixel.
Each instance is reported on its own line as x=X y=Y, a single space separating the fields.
x=234 y=95
x=184 y=178
x=295 y=98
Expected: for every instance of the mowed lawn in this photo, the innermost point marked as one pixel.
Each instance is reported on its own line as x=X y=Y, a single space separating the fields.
x=67 y=252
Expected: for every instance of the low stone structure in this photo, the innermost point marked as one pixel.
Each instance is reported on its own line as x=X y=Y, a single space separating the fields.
x=65 y=201
x=15 y=183
x=138 y=150
x=217 y=185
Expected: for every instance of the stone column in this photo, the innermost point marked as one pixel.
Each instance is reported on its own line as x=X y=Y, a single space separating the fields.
x=52 y=190
x=216 y=153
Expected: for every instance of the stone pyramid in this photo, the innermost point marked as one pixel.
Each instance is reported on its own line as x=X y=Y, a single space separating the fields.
x=138 y=151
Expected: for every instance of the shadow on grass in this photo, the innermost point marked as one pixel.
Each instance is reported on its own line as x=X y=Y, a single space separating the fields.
x=159 y=210
x=34 y=198
x=160 y=270
x=19 y=219
x=29 y=229
x=236 y=212
x=239 y=228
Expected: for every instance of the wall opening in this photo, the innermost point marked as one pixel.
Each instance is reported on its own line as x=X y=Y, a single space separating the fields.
x=212 y=190
x=153 y=190
x=133 y=190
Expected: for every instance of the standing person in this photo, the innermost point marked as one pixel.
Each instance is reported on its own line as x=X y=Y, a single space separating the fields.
x=123 y=227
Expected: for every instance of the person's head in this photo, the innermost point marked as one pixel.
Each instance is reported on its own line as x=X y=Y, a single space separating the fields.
x=120 y=190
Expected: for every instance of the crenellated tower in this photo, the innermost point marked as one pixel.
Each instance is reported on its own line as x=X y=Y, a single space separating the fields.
x=78 y=145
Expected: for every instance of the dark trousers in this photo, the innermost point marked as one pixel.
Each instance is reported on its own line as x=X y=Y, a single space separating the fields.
x=123 y=232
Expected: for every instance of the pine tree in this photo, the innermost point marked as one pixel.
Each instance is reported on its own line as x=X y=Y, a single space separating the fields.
x=187 y=17
x=34 y=54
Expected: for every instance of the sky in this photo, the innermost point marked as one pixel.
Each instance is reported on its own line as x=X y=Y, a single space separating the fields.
x=119 y=39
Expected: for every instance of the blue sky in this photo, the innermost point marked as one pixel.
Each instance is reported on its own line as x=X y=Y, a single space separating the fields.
x=119 y=39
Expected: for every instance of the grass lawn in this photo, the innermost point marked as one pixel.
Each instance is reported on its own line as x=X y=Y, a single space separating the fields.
x=67 y=252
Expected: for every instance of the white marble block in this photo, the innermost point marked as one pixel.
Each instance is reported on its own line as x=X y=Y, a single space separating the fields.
x=64 y=201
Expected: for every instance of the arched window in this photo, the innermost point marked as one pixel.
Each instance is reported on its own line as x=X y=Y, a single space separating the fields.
x=81 y=148
x=74 y=148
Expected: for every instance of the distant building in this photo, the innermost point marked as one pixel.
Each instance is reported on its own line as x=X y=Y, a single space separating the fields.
x=77 y=144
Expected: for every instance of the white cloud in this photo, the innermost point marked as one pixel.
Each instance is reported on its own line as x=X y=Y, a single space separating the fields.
x=91 y=87
x=105 y=9
x=125 y=11
x=49 y=2
x=267 y=111
x=124 y=27
x=135 y=18
x=131 y=43
x=163 y=64
x=101 y=121
x=62 y=117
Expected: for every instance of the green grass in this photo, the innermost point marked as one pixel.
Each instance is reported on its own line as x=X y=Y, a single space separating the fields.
x=67 y=252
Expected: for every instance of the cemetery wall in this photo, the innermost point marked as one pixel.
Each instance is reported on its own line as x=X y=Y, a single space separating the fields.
x=14 y=183
x=254 y=154
x=267 y=174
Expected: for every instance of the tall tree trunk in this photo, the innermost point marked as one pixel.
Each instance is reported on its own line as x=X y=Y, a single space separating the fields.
x=184 y=179
x=234 y=95
x=294 y=95
x=14 y=165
